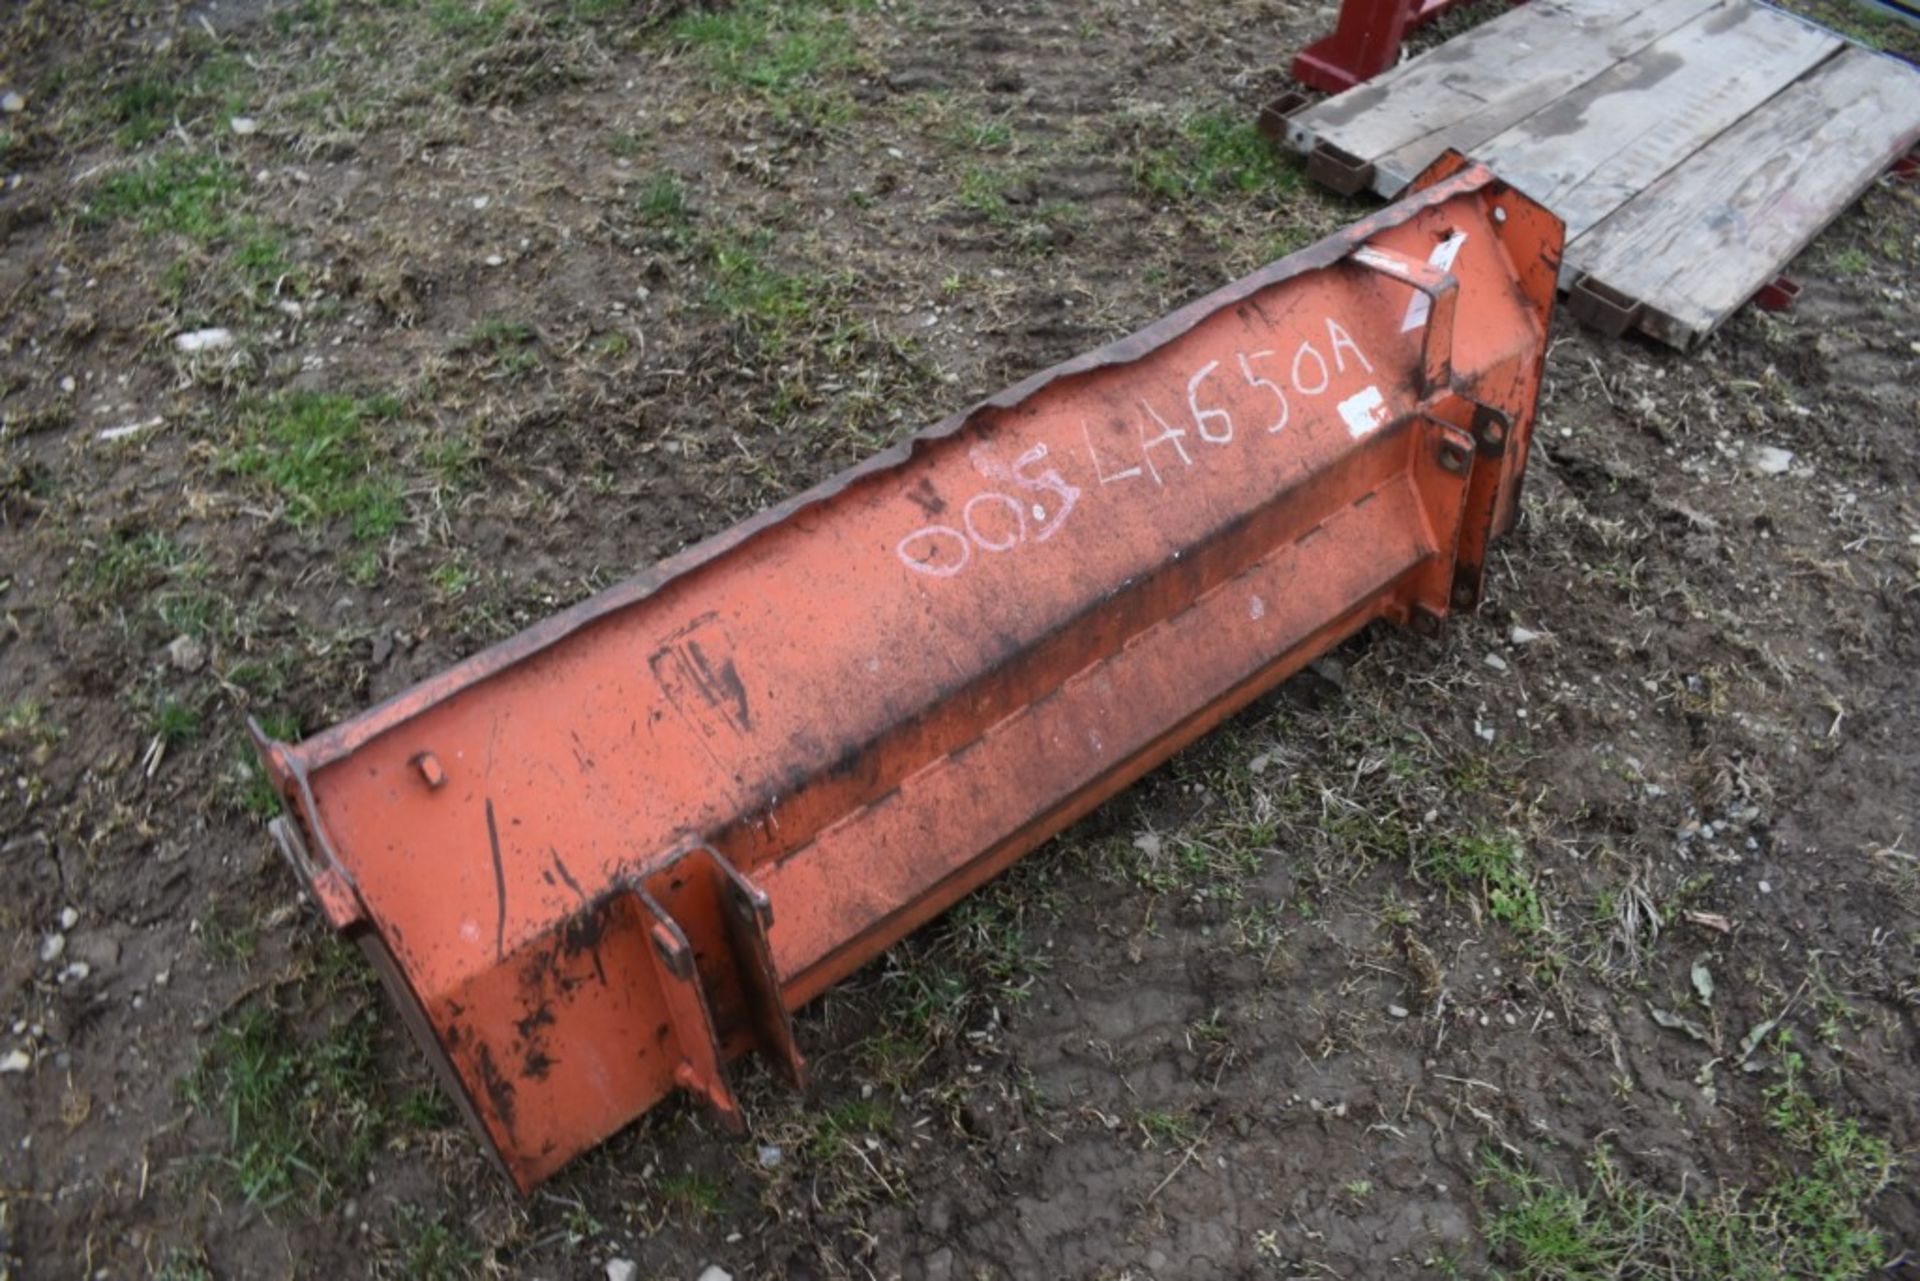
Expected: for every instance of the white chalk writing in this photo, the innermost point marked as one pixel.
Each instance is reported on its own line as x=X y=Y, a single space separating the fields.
x=1030 y=500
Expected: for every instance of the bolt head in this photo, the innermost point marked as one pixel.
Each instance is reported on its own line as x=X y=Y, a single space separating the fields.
x=430 y=769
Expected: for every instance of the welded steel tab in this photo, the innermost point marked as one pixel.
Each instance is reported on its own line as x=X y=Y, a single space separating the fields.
x=599 y=862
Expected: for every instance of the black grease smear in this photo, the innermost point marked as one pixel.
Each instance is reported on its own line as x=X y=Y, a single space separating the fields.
x=567 y=876
x=499 y=885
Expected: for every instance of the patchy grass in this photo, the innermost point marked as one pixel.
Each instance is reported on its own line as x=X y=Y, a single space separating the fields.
x=262 y=265
x=226 y=256
x=1488 y=868
x=694 y=1194
x=129 y=562
x=766 y=45
x=852 y=1122
x=433 y=1249
x=178 y=191
x=983 y=190
x=507 y=348
x=144 y=107
x=984 y=135
x=1216 y=153
x=173 y=721
x=317 y=452
x=1807 y=1220
x=1874 y=28
x=249 y=791
x=1851 y=261
x=781 y=54
x=298 y=1111
x=782 y=315
x=472 y=23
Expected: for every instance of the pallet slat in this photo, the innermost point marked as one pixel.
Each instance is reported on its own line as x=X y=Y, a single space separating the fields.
x=1592 y=150
x=1695 y=245
x=1483 y=81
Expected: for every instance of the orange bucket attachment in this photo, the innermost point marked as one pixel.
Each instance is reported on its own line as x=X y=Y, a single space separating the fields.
x=599 y=861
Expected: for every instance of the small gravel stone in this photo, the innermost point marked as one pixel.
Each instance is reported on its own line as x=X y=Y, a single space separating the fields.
x=622 y=1270
x=714 y=1272
x=244 y=125
x=1496 y=662
x=1522 y=636
x=12 y=103
x=1771 y=460
x=15 y=1061
x=187 y=653
x=1397 y=1011
x=200 y=340
x=69 y=917
x=52 y=948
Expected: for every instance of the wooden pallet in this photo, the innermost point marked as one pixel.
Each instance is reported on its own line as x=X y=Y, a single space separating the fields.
x=1693 y=146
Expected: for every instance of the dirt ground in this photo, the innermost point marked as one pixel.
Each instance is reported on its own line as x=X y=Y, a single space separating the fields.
x=1584 y=944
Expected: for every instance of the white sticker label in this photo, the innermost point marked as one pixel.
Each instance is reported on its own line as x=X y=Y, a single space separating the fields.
x=1442 y=257
x=1365 y=411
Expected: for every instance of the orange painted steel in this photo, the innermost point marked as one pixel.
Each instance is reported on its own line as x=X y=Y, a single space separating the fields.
x=599 y=861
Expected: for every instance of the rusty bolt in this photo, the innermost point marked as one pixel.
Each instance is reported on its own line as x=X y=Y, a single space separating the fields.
x=429 y=766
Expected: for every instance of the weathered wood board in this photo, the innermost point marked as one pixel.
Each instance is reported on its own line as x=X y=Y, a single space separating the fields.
x=1692 y=146
x=1467 y=90
x=1590 y=151
x=1693 y=247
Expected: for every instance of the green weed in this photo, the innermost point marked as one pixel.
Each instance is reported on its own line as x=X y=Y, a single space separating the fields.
x=228 y=944
x=469 y=22
x=427 y=1108
x=129 y=563
x=1809 y=1220
x=1851 y=261
x=984 y=135
x=172 y=721
x=452 y=578
x=830 y=1129
x=782 y=53
x=694 y=1193
x=776 y=309
x=1489 y=868
x=297 y=1109
x=178 y=191
x=1216 y=153
x=765 y=44
x=261 y=265
x=144 y=107
x=316 y=450
x=26 y=720
x=663 y=201
x=185 y=1264
x=511 y=347
x=434 y=1250
x=1174 y=1130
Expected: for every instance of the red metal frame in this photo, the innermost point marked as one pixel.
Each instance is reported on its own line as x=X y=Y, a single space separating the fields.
x=1777 y=294
x=1365 y=41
